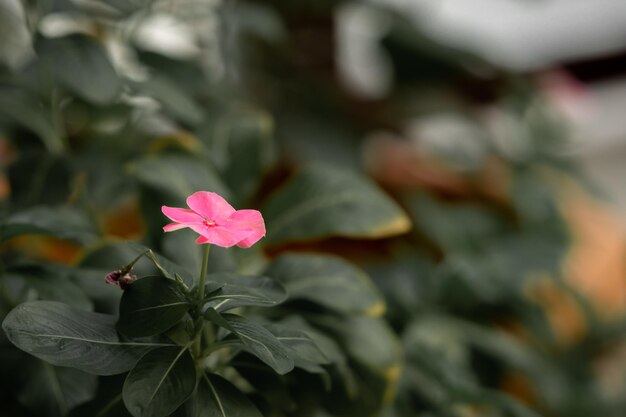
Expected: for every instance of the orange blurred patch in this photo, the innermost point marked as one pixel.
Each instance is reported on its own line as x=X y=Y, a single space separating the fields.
x=398 y=164
x=47 y=248
x=5 y=187
x=596 y=263
x=520 y=387
x=124 y=221
x=563 y=311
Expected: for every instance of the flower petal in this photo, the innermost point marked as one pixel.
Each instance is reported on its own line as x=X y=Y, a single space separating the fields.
x=174 y=226
x=222 y=236
x=181 y=215
x=249 y=220
x=210 y=205
x=201 y=240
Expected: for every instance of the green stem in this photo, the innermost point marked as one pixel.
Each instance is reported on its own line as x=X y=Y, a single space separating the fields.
x=202 y=279
x=156 y=263
x=197 y=348
x=134 y=261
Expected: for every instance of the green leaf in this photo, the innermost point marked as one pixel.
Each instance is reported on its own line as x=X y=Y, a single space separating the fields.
x=273 y=388
x=66 y=336
x=123 y=6
x=175 y=100
x=305 y=353
x=493 y=342
x=51 y=390
x=164 y=265
x=256 y=339
x=61 y=222
x=240 y=290
x=324 y=201
x=177 y=175
x=27 y=111
x=151 y=306
x=454 y=226
x=51 y=285
x=376 y=358
x=330 y=349
x=242 y=149
x=107 y=402
x=327 y=281
x=121 y=253
x=369 y=341
x=216 y=397
x=161 y=381
x=82 y=65
x=102 y=407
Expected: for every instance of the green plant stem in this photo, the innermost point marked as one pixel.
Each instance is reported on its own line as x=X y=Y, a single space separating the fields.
x=197 y=348
x=202 y=278
x=134 y=261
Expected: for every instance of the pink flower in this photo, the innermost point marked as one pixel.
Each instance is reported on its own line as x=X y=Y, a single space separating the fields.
x=216 y=221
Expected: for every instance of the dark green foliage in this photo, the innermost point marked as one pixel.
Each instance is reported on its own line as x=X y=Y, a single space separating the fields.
x=391 y=286
x=151 y=306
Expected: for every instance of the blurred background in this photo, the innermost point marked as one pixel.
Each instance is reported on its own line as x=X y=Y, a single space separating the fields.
x=495 y=127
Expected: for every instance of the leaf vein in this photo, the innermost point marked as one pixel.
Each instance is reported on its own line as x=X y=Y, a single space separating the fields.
x=217 y=398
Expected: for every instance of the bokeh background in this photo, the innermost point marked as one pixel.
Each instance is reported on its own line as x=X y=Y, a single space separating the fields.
x=467 y=154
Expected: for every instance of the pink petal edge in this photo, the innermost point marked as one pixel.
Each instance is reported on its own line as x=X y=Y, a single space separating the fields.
x=210 y=205
x=174 y=226
x=248 y=220
x=181 y=215
x=221 y=236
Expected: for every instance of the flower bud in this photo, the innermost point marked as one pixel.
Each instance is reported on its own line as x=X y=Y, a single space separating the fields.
x=120 y=278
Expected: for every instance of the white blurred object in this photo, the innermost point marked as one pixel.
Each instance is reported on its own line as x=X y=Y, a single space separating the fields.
x=448 y=135
x=56 y=25
x=363 y=67
x=523 y=34
x=15 y=48
x=165 y=34
x=604 y=126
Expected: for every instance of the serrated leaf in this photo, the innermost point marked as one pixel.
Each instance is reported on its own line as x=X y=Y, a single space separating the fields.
x=240 y=290
x=324 y=201
x=328 y=281
x=161 y=381
x=151 y=306
x=61 y=222
x=66 y=336
x=216 y=397
x=256 y=339
x=81 y=65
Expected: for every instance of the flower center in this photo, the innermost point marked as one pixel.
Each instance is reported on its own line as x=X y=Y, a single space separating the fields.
x=209 y=223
